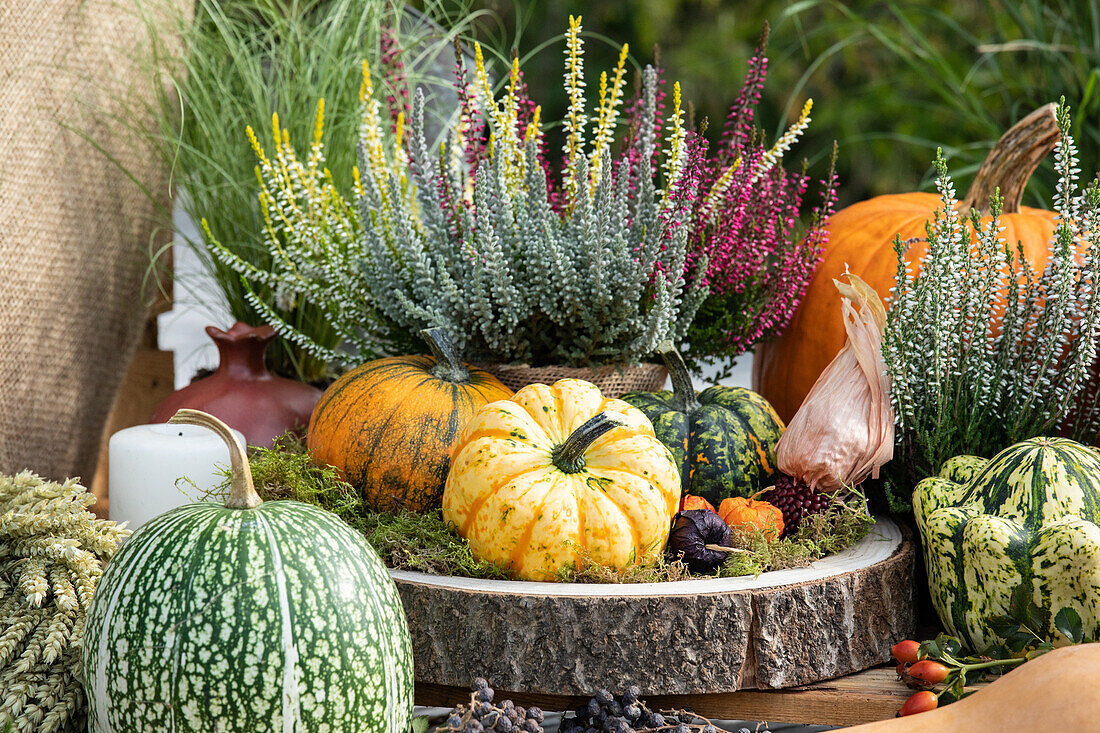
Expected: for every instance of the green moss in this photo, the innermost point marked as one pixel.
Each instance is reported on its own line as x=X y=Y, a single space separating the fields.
x=426 y=543
x=285 y=471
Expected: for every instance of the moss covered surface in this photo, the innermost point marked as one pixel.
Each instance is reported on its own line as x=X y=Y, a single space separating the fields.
x=426 y=543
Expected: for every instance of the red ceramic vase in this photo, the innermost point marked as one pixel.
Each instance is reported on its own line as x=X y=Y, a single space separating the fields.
x=242 y=392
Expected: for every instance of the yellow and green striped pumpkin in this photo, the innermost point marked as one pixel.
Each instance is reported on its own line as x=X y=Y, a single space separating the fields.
x=245 y=617
x=1027 y=517
x=723 y=438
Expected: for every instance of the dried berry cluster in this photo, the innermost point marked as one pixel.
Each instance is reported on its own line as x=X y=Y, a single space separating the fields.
x=482 y=715
x=628 y=713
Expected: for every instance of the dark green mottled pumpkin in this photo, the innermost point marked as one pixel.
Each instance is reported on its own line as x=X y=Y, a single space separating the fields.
x=723 y=438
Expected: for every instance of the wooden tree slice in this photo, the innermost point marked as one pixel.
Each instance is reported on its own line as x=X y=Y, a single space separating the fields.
x=778 y=629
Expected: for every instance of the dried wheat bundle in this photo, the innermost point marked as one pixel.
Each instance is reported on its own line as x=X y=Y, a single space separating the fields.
x=52 y=552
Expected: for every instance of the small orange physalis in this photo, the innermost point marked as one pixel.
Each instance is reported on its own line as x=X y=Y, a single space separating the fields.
x=738 y=512
x=690 y=501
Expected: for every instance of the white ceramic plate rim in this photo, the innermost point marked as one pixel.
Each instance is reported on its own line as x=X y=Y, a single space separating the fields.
x=879 y=544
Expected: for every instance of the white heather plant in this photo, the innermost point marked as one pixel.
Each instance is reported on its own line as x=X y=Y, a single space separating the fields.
x=479 y=239
x=983 y=351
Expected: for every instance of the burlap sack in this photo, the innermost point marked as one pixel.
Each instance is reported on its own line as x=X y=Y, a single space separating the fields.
x=613 y=381
x=75 y=232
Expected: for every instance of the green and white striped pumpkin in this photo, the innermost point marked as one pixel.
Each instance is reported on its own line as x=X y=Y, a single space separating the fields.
x=1028 y=516
x=247 y=617
x=723 y=439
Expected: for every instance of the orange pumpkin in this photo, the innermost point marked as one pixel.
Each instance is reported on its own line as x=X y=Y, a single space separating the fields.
x=861 y=237
x=690 y=501
x=389 y=426
x=739 y=512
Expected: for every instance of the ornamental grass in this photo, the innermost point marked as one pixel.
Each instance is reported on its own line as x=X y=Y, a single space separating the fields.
x=226 y=65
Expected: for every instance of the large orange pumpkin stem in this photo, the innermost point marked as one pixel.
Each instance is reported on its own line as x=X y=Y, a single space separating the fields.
x=682 y=388
x=447 y=364
x=242 y=492
x=1012 y=160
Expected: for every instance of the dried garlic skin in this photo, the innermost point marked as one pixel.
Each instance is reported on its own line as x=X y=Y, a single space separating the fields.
x=844 y=430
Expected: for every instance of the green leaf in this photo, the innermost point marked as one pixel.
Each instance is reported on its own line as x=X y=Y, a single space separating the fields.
x=1068 y=623
x=1001 y=624
x=1012 y=631
x=948 y=696
x=958 y=687
x=419 y=724
x=931 y=649
x=1036 y=618
x=951 y=645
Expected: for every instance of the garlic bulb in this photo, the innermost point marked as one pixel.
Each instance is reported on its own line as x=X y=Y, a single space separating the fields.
x=844 y=430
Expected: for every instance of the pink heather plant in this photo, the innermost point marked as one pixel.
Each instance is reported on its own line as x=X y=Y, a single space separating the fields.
x=748 y=226
x=394 y=79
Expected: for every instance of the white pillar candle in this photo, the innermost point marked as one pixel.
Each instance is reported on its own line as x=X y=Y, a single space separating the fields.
x=146 y=463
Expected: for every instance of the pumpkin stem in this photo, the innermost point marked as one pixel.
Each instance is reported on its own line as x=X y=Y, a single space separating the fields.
x=447 y=364
x=762 y=491
x=1012 y=161
x=242 y=492
x=569 y=456
x=682 y=389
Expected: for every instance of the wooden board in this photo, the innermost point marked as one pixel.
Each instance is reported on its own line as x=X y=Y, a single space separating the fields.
x=711 y=635
x=863 y=697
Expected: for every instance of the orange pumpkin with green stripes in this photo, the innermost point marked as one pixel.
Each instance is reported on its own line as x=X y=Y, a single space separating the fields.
x=559 y=475
x=389 y=426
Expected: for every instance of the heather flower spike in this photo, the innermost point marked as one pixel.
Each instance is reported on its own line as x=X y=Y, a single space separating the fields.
x=748 y=226
x=844 y=430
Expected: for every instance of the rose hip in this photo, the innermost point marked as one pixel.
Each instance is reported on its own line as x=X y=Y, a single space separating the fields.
x=906 y=651
x=928 y=671
x=920 y=702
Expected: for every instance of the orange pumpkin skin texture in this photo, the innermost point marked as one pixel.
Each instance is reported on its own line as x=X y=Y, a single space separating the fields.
x=862 y=237
x=738 y=511
x=520 y=506
x=389 y=427
x=690 y=501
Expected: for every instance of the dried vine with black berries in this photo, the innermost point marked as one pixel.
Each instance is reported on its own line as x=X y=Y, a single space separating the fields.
x=482 y=715
x=628 y=713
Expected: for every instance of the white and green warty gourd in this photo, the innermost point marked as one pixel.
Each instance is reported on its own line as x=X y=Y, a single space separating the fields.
x=247 y=617
x=1028 y=517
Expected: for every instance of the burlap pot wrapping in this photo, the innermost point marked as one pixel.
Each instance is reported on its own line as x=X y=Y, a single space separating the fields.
x=75 y=231
x=613 y=381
